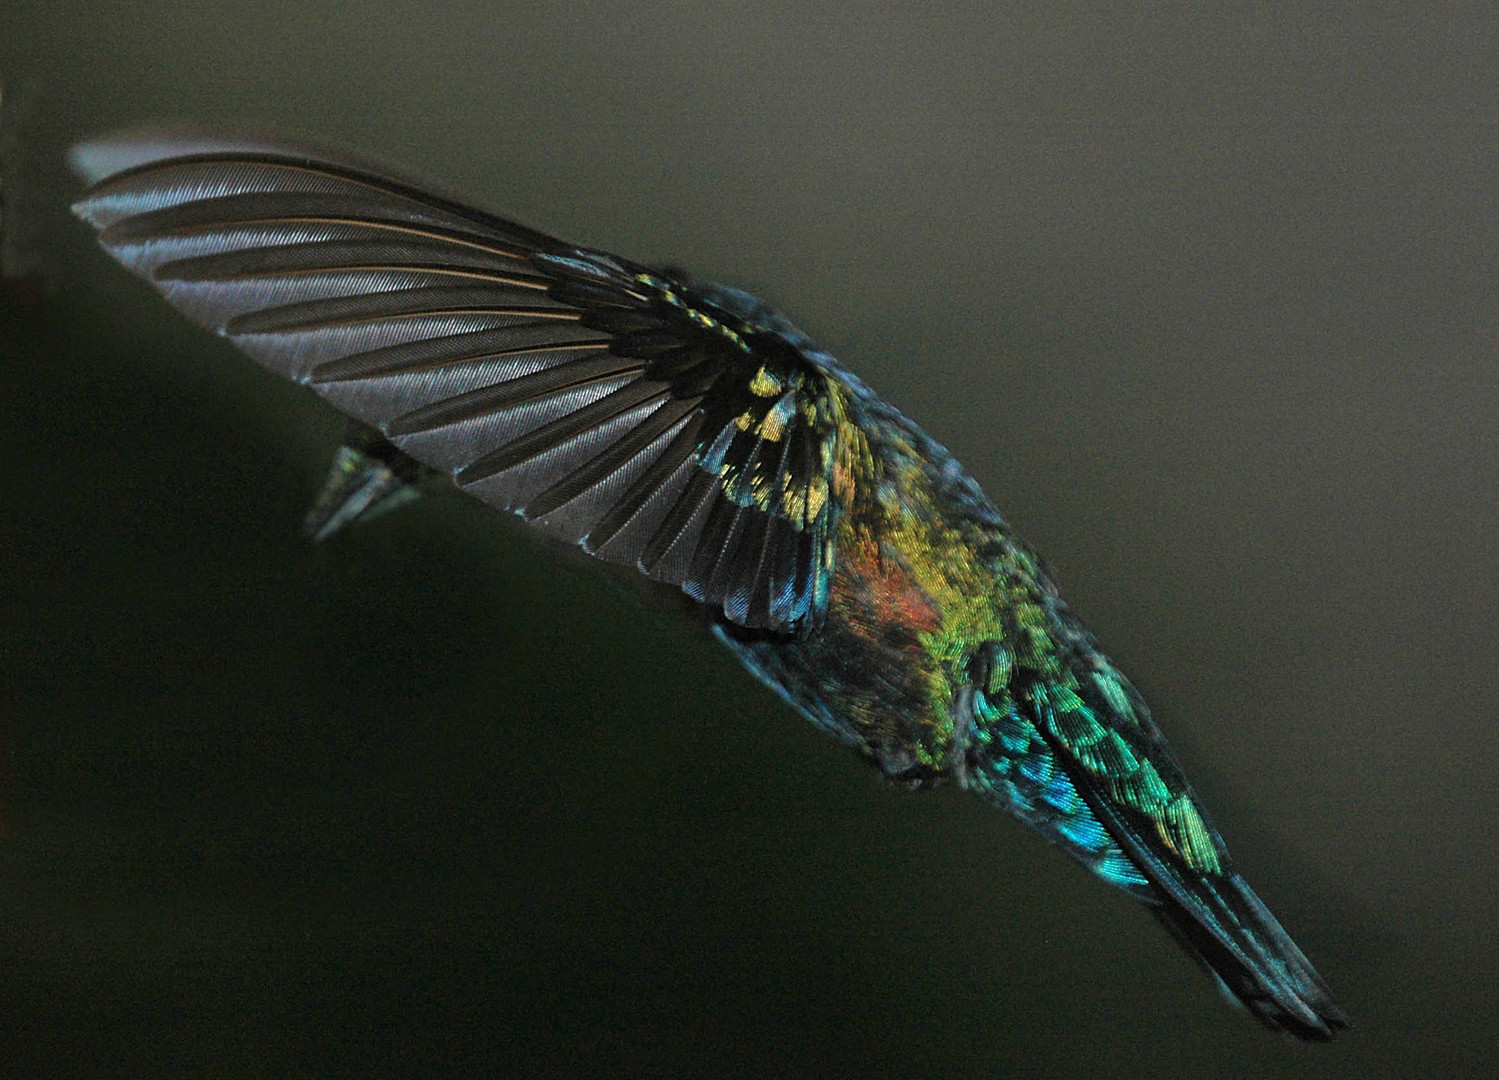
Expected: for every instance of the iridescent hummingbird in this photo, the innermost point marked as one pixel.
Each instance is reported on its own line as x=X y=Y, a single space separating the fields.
x=688 y=430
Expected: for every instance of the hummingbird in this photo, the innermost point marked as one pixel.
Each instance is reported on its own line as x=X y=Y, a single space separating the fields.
x=690 y=431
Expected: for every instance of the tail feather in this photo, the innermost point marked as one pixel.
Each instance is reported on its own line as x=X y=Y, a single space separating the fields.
x=1227 y=929
x=1232 y=935
x=1121 y=766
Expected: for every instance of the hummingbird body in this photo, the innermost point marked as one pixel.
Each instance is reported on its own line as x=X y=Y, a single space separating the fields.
x=688 y=430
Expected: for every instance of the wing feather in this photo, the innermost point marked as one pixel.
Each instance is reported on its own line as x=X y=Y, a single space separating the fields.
x=651 y=420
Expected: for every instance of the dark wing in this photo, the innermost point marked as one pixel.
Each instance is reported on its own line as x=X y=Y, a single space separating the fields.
x=643 y=418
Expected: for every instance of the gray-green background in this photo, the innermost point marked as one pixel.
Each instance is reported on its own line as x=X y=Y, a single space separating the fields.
x=1205 y=296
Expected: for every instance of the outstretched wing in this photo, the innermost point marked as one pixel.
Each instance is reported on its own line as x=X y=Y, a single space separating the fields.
x=652 y=421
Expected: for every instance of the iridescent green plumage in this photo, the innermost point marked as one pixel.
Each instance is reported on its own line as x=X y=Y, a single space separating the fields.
x=946 y=654
x=689 y=431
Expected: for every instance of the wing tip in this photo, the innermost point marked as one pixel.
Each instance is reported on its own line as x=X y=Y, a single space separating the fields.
x=99 y=157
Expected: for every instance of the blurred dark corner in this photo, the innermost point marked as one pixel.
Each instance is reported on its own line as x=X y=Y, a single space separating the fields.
x=23 y=264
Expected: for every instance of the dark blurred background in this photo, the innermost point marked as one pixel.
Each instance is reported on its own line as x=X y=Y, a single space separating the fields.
x=1204 y=296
